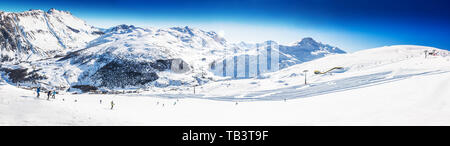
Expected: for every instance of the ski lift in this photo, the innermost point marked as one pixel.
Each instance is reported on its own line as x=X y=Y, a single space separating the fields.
x=334 y=68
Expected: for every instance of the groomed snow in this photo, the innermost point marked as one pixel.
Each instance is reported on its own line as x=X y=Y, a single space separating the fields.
x=384 y=86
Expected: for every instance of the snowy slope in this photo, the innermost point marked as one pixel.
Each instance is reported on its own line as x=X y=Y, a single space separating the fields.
x=35 y=34
x=360 y=69
x=393 y=85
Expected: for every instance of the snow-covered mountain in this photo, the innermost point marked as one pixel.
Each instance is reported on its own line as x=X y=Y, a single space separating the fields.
x=133 y=56
x=308 y=49
x=246 y=60
x=56 y=49
x=142 y=57
x=36 y=34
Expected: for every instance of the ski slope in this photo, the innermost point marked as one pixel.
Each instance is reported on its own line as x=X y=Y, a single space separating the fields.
x=393 y=85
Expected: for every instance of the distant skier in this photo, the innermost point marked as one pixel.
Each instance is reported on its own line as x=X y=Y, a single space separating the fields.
x=112 y=104
x=48 y=95
x=54 y=94
x=37 y=91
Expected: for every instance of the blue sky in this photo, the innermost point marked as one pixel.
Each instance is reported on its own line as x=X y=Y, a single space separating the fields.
x=349 y=24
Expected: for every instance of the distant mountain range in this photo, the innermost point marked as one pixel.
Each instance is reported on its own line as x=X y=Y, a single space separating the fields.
x=55 y=48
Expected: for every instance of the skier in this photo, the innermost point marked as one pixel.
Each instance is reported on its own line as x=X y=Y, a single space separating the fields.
x=112 y=104
x=37 y=91
x=48 y=95
x=54 y=94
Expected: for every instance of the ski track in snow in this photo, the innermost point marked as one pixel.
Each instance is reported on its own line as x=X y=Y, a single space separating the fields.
x=300 y=91
x=397 y=101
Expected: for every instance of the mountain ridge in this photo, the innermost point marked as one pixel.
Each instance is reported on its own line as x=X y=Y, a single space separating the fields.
x=36 y=34
x=79 y=54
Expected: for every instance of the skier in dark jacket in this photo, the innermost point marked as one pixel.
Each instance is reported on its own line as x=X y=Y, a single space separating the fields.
x=37 y=91
x=48 y=95
x=112 y=104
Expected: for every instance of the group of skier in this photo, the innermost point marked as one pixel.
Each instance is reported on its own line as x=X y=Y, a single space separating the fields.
x=435 y=53
x=51 y=94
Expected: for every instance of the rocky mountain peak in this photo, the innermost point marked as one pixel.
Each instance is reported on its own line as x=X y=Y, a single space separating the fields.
x=53 y=10
x=308 y=41
x=122 y=28
x=36 y=34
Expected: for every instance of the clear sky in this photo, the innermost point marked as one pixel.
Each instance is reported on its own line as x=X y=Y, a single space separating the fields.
x=348 y=24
